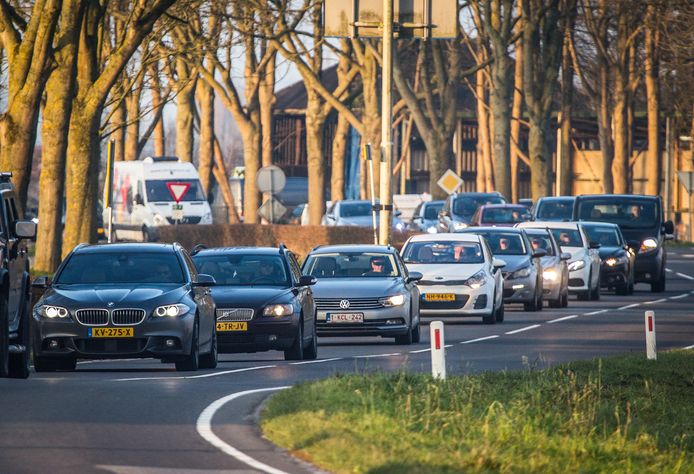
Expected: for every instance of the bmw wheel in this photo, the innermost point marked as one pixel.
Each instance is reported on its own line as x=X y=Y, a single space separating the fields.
x=209 y=360
x=192 y=361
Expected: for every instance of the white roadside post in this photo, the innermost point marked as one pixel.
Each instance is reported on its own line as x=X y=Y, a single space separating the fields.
x=438 y=350
x=650 y=335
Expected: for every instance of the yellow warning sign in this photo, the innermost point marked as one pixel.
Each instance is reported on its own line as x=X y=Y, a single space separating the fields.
x=450 y=181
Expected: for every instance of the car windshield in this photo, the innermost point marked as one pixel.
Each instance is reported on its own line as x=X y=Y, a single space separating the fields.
x=467 y=205
x=431 y=211
x=505 y=243
x=626 y=213
x=606 y=236
x=105 y=268
x=555 y=210
x=445 y=251
x=158 y=190
x=505 y=215
x=541 y=240
x=568 y=237
x=355 y=209
x=243 y=269
x=351 y=264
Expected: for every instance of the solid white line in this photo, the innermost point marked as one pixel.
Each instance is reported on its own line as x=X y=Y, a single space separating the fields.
x=448 y=345
x=184 y=377
x=593 y=313
x=565 y=318
x=629 y=306
x=378 y=355
x=668 y=270
x=528 y=328
x=687 y=277
x=105 y=360
x=419 y=351
x=656 y=301
x=679 y=297
x=479 y=339
x=315 y=361
x=688 y=347
x=204 y=427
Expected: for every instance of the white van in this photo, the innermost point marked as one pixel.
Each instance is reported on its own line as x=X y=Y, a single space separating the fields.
x=143 y=197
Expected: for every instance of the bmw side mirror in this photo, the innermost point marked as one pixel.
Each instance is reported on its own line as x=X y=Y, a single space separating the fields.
x=669 y=227
x=498 y=263
x=41 y=282
x=539 y=253
x=594 y=245
x=25 y=229
x=565 y=256
x=307 y=280
x=414 y=276
x=204 y=281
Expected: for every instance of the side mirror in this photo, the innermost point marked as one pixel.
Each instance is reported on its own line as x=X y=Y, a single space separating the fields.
x=42 y=282
x=204 y=281
x=414 y=276
x=539 y=253
x=25 y=229
x=565 y=256
x=307 y=280
x=669 y=227
x=594 y=245
x=139 y=200
x=498 y=263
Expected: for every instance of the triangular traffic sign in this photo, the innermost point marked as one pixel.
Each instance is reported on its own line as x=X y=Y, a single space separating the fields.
x=178 y=190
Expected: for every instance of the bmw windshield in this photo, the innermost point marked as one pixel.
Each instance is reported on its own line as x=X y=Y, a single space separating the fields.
x=106 y=268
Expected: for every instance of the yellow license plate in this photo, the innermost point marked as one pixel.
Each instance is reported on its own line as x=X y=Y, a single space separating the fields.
x=232 y=326
x=111 y=332
x=439 y=297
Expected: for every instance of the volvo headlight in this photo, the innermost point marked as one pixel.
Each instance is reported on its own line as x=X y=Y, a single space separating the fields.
x=395 y=300
x=520 y=273
x=477 y=280
x=614 y=261
x=577 y=265
x=550 y=275
x=459 y=225
x=171 y=310
x=278 y=310
x=52 y=312
x=648 y=245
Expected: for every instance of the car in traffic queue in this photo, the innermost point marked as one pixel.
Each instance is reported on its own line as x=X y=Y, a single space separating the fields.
x=364 y=290
x=459 y=208
x=425 y=216
x=263 y=301
x=357 y=212
x=128 y=300
x=500 y=215
x=554 y=208
x=523 y=270
x=616 y=257
x=461 y=277
x=555 y=269
x=584 y=264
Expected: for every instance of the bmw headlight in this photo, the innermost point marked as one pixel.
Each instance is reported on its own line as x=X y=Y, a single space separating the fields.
x=431 y=229
x=520 y=273
x=171 y=310
x=278 y=310
x=550 y=275
x=459 y=225
x=476 y=280
x=52 y=312
x=395 y=300
x=577 y=265
x=614 y=261
x=649 y=245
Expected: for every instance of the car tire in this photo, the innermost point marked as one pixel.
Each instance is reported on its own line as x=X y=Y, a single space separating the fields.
x=416 y=334
x=557 y=303
x=191 y=362
x=405 y=339
x=311 y=351
x=19 y=363
x=146 y=234
x=535 y=304
x=499 y=316
x=296 y=351
x=565 y=298
x=4 y=335
x=209 y=360
x=595 y=292
x=622 y=290
x=489 y=318
x=659 y=286
x=53 y=364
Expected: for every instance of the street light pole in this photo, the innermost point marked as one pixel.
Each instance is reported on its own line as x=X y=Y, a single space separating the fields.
x=386 y=125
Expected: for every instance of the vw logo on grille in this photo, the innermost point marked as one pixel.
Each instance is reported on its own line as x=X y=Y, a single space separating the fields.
x=344 y=304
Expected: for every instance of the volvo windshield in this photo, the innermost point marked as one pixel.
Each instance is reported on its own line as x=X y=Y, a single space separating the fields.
x=626 y=212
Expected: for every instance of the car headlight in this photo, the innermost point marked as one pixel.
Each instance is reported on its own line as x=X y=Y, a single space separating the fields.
x=476 y=280
x=460 y=225
x=52 y=312
x=171 y=310
x=431 y=229
x=614 y=261
x=550 y=275
x=395 y=300
x=577 y=265
x=648 y=245
x=278 y=310
x=521 y=273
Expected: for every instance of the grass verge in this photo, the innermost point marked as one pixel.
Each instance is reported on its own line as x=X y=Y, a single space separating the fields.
x=618 y=414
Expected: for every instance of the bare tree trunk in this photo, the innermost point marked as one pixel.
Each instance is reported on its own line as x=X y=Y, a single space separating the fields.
x=517 y=114
x=220 y=174
x=567 y=91
x=315 y=127
x=118 y=120
x=620 y=162
x=652 y=66
x=266 y=100
x=251 y=161
x=157 y=104
x=206 y=143
x=337 y=181
x=185 y=110
x=605 y=128
x=132 y=106
x=372 y=117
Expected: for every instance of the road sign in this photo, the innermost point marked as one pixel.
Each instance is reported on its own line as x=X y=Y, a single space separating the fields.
x=687 y=180
x=271 y=179
x=450 y=181
x=177 y=190
x=272 y=209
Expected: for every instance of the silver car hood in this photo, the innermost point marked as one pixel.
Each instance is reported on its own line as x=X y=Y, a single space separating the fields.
x=358 y=287
x=443 y=272
x=514 y=262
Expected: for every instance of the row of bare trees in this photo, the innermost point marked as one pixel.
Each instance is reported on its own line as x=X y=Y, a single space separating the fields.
x=106 y=69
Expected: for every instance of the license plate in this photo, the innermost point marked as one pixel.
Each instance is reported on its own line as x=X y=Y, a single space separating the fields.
x=177 y=212
x=232 y=326
x=344 y=318
x=439 y=297
x=111 y=332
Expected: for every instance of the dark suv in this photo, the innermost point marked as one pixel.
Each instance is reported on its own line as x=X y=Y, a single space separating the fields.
x=14 y=284
x=640 y=219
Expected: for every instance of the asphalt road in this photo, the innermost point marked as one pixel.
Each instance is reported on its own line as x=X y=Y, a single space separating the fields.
x=141 y=416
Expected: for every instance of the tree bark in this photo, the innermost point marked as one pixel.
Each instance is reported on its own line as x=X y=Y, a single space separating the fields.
x=620 y=162
x=158 y=104
x=605 y=127
x=652 y=66
x=185 y=110
x=517 y=115
x=222 y=177
x=266 y=99
x=206 y=141
x=315 y=127
x=339 y=152
x=566 y=113
x=132 y=131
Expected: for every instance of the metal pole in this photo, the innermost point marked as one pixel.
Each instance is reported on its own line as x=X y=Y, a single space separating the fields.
x=272 y=196
x=110 y=155
x=367 y=155
x=668 y=202
x=386 y=124
x=559 y=157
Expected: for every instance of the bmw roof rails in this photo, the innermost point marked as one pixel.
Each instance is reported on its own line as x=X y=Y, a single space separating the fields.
x=197 y=248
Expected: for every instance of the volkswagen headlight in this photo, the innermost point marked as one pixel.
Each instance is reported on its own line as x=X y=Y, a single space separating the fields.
x=577 y=265
x=550 y=275
x=52 y=312
x=278 y=310
x=649 y=245
x=459 y=225
x=171 y=310
x=395 y=300
x=477 y=280
x=520 y=273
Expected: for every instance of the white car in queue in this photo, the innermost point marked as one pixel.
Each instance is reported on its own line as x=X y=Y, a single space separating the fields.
x=460 y=276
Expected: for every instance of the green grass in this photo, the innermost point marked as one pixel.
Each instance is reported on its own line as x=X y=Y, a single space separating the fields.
x=619 y=414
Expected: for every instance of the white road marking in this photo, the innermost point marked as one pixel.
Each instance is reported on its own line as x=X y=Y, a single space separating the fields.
x=629 y=306
x=185 y=377
x=565 y=318
x=204 y=427
x=105 y=360
x=679 y=297
x=448 y=345
x=668 y=270
x=686 y=277
x=655 y=301
x=420 y=351
x=479 y=339
x=319 y=361
x=593 y=313
x=527 y=328
x=377 y=355
x=688 y=347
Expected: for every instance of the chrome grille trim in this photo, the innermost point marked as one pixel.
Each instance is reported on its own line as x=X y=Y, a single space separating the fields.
x=92 y=317
x=127 y=316
x=354 y=304
x=234 y=314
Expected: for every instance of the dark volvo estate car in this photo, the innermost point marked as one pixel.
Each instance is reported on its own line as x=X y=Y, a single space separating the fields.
x=124 y=301
x=263 y=302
